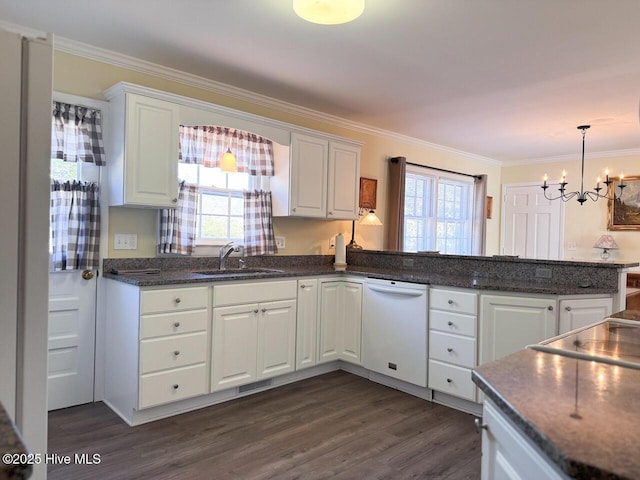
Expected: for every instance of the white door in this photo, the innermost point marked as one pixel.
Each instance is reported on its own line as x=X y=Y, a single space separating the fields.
x=276 y=338
x=532 y=225
x=579 y=313
x=351 y=319
x=72 y=300
x=329 y=328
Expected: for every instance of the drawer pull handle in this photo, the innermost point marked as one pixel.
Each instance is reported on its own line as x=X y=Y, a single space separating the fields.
x=176 y=352
x=568 y=309
x=479 y=426
x=449 y=349
x=449 y=380
x=176 y=324
x=177 y=300
x=450 y=302
x=450 y=323
x=176 y=386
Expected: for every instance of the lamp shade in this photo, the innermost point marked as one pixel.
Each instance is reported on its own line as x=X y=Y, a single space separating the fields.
x=607 y=242
x=370 y=219
x=328 y=12
x=228 y=162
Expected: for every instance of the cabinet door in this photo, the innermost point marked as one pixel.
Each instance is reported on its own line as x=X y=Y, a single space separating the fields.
x=235 y=341
x=276 y=338
x=329 y=345
x=307 y=323
x=351 y=310
x=509 y=324
x=344 y=181
x=309 y=166
x=577 y=313
x=151 y=152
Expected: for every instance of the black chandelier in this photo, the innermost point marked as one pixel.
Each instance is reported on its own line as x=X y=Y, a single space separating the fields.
x=582 y=194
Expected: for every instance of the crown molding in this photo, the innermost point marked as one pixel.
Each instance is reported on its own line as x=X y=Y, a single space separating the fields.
x=571 y=157
x=91 y=52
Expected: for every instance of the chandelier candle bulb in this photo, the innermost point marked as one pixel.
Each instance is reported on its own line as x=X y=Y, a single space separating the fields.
x=544 y=179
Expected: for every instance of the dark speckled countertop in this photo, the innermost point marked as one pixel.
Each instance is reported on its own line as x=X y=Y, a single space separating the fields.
x=172 y=277
x=11 y=443
x=537 y=391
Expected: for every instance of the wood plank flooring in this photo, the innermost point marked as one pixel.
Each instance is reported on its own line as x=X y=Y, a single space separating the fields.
x=337 y=426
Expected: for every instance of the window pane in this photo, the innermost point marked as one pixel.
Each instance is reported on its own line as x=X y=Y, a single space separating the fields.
x=236 y=226
x=238 y=181
x=63 y=171
x=188 y=172
x=236 y=206
x=215 y=204
x=213 y=226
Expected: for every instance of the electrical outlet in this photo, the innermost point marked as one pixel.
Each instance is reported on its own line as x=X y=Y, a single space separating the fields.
x=572 y=246
x=280 y=242
x=125 y=241
x=332 y=243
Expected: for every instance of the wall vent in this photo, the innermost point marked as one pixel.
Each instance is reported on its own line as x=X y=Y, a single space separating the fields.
x=254 y=386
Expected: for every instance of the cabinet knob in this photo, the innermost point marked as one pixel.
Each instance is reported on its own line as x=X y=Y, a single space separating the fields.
x=449 y=349
x=303 y=286
x=174 y=200
x=176 y=386
x=255 y=311
x=450 y=323
x=449 y=380
x=450 y=302
x=293 y=209
x=568 y=309
x=177 y=300
x=479 y=426
x=550 y=308
x=264 y=310
x=330 y=213
x=176 y=352
x=176 y=324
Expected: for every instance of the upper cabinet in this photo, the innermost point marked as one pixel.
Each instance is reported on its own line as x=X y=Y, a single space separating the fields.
x=319 y=179
x=143 y=166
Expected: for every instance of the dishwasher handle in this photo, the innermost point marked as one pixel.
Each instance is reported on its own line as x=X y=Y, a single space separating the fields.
x=405 y=292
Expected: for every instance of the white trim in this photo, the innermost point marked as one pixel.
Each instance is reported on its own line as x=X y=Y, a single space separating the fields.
x=573 y=157
x=73 y=47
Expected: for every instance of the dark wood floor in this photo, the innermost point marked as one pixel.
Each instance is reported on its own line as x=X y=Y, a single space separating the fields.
x=336 y=425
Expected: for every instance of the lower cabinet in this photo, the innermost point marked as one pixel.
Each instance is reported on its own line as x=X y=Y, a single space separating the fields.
x=508 y=454
x=580 y=312
x=340 y=323
x=253 y=341
x=307 y=324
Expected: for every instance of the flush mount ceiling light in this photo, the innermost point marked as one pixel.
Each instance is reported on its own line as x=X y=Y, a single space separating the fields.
x=328 y=12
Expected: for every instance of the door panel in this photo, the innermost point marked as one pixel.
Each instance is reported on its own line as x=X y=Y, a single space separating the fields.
x=71 y=339
x=532 y=225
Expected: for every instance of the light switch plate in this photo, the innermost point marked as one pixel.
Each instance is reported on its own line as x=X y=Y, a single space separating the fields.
x=280 y=242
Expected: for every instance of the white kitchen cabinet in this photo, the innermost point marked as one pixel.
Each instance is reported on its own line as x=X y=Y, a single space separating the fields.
x=452 y=341
x=307 y=324
x=143 y=161
x=510 y=323
x=254 y=332
x=394 y=330
x=508 y=454
x=340 y=329
x=580 y=312
x=320 y=179
x=156 y=346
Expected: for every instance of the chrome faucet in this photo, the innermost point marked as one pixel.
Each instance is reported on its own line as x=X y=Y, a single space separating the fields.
x=226 y=251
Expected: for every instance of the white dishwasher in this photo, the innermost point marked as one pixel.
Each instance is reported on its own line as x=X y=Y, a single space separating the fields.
x=394 y=330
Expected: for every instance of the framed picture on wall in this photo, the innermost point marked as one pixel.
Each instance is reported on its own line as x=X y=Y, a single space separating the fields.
x=624 y=212
x=368 y=192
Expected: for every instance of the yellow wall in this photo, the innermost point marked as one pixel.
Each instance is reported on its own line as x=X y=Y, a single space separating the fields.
x=79 y=76
x=584 y=223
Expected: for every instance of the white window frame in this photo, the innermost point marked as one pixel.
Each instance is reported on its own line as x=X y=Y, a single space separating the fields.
x=439 y=177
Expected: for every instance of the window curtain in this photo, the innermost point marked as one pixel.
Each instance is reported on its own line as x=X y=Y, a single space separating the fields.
x=395 y=206
x=205 y=145
x=178 y=225
x=478 y=246
x=76 y=134
x=259 y=238
x=75 y=225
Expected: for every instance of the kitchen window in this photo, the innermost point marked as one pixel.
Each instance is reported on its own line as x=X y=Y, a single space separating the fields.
x=438 y=211
x=220 y=211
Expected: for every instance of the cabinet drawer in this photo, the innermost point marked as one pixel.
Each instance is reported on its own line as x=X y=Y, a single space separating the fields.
x=173 y=299
x=255 y=292
x=452 y=322
x=163 y=324
x=453 y=301
x=172 y=352
x=452 y=380
x=452 y=349
x=172 y=385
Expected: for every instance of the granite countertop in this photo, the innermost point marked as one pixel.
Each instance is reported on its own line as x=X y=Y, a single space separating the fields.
x=537 y=391
x=11 y=443
x=172 y=277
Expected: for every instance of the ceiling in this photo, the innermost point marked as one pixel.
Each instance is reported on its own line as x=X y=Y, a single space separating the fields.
x=505 y=79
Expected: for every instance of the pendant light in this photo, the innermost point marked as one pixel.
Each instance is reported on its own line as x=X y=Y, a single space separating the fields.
x=328 y=12
x=228 y=162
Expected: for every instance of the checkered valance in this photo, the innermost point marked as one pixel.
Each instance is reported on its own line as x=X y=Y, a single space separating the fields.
x=76 y=134
x=205 y=145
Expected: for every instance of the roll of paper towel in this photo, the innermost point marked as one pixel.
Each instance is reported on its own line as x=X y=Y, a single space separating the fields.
x=341 y=250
